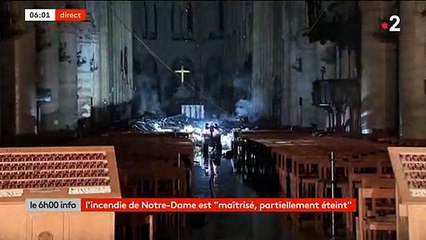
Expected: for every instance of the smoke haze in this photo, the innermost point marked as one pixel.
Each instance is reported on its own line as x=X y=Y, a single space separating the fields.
x=246 y=108
x=146 y=96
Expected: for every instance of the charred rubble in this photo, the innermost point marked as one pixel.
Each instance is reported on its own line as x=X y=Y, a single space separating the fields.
x=151 y=123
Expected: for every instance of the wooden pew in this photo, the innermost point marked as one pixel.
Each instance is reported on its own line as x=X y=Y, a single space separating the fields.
x=45 y=139
x=394 y=142
x=156 y=147
x=244 y=143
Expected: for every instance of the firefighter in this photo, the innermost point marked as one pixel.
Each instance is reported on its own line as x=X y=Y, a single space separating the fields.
x=216 y=145
x=212 y=147
x=217 y=141
x=206 y=143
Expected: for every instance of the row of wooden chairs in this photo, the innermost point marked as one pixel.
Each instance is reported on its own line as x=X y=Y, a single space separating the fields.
x=160 y=170
x=158 y=179
x=150 y=165
x=310 y=174
x=303 y=167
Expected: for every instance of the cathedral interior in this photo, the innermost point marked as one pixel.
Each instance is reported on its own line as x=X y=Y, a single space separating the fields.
x=117 y=104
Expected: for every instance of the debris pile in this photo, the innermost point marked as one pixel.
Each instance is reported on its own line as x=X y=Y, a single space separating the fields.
x=194 y=127
x=155 y=123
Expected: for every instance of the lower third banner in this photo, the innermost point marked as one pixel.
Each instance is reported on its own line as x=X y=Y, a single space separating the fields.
x=218 y=205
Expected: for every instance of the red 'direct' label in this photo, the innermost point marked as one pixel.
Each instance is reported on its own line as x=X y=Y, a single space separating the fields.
x=218 y=205
x=70 y=15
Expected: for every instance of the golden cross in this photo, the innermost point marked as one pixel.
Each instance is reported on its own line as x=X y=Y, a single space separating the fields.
x=182 y=72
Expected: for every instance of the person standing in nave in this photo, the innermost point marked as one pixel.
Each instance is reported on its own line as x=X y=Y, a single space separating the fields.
x=212 y=147
x=206 y=143
x=215 y=148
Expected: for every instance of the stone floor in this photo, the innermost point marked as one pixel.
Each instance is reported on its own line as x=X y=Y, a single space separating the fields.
x=240 y=226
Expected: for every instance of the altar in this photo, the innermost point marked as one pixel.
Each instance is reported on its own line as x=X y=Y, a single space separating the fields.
x=193 y=111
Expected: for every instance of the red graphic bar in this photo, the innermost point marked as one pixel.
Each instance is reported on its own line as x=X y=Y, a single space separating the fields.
x=218 y=205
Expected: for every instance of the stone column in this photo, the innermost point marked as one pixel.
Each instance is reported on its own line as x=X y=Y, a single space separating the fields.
x=25 y=97
x=67 y=77
x=256 y=72
x=24 y=72
x=379 y=71
x=263 y=58
x=412 y=70
x=101 y=99
x=269 y=58
x=286 y=84
x=47 y=59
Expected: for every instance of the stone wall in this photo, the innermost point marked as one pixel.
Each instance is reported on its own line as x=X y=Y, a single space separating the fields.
x=201 y=51
x=239 y=47
x=113 y=24
x=18 y=75
x=83 y=67
x=48 y=73
x=261 y=54
x=285 y=63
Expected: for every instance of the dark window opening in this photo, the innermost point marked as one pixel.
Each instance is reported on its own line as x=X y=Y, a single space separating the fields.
x=315 y=9
x=177 y=21
x=172 y=18
x=221 y=14
x=144 y=25
x=182 y=22
x=218 y=31
x=190 y=19
x=125 y=64
x=153 y=22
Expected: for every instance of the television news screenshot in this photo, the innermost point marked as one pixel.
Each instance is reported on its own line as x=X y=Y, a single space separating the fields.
x=212 y=120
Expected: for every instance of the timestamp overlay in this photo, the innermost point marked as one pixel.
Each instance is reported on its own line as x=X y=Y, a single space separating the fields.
x=42 y=15
x=55 y=15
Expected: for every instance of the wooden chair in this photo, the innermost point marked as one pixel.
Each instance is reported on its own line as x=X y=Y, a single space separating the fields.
x=324 y=185
x=359 y=169
x=355 y=180
x=308 y=180
x=304 y=164
x=370 y=219
x=281 y=172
